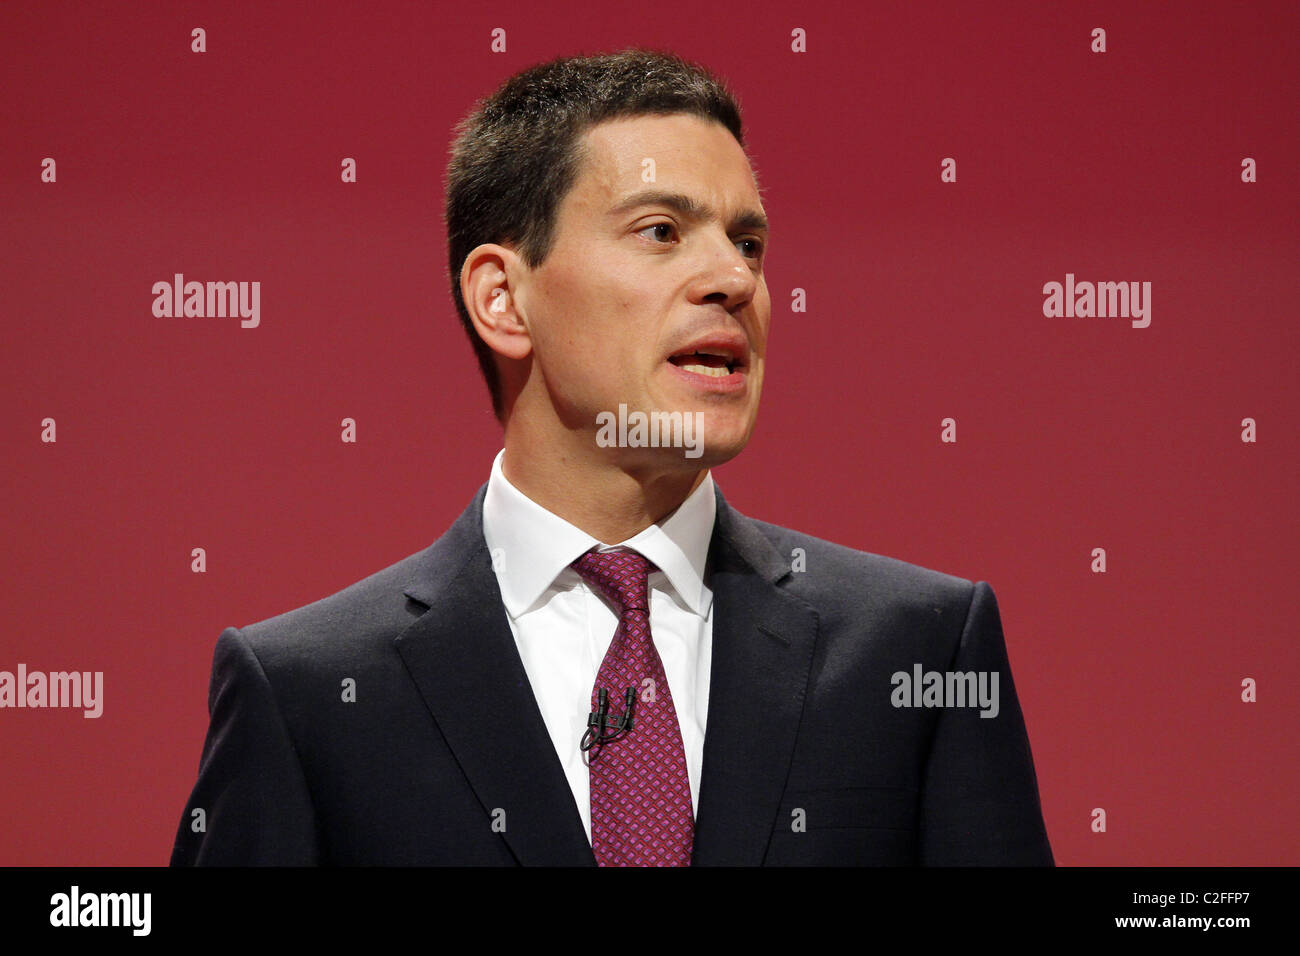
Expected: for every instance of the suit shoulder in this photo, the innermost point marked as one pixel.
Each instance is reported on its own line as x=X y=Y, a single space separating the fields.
x=833 y=572
x=367 y=613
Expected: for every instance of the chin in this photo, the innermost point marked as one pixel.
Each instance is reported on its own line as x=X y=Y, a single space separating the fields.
x=718 y=445
x=697 y=451
x=697 y=434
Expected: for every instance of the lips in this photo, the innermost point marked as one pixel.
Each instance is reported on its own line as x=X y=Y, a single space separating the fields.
x=703 y=363
x=714 y=356
x=713 y=363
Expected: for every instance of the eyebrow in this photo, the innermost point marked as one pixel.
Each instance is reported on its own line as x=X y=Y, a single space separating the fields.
x=691 y=208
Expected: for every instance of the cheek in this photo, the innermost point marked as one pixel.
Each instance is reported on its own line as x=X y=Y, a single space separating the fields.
x=561 y=326
x=597 y=327
x=763 y=303
x=616 y=330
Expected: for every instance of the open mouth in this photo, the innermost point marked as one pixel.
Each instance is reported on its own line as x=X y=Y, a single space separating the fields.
x=712 y=364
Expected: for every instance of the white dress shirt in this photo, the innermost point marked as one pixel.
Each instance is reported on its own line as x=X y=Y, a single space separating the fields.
x=563 y=627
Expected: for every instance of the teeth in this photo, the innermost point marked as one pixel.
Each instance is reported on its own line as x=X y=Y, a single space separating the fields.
x=707 y=370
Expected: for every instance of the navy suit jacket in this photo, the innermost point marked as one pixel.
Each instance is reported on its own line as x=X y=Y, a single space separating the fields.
x=443 y=758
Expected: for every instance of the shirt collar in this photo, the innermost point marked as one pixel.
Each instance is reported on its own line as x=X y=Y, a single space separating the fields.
x=532 y=547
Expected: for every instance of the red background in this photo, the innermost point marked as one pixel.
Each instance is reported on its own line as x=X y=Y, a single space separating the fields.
x=924 y=302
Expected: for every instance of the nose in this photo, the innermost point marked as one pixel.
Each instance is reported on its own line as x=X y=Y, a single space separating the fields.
x=725 y=274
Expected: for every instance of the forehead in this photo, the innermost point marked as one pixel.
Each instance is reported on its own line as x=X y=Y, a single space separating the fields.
x=688 y=152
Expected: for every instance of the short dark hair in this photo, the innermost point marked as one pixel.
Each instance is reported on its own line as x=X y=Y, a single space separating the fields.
x=517 y=154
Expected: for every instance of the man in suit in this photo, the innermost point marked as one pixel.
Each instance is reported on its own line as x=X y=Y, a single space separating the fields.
x=601 y=661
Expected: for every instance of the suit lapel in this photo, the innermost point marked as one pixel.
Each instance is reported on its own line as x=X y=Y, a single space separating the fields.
x=763 y=640
x=462 y=657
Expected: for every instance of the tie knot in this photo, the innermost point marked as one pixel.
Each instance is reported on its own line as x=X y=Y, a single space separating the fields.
x=619 y=575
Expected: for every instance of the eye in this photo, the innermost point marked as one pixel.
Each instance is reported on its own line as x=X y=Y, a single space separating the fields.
x=756 y=245
x=658 y=225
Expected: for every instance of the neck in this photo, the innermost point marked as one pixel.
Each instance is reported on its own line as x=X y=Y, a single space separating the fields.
x=592 y=490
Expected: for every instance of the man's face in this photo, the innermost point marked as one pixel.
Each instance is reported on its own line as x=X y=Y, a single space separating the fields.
x=635 y=284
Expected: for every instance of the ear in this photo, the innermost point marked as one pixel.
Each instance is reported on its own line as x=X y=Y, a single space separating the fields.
x=491 y=301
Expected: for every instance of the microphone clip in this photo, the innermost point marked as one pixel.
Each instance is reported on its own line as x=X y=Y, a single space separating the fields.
x=602 y=726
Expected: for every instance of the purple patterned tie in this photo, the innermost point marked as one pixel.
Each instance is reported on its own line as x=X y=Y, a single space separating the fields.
x=640 y=792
